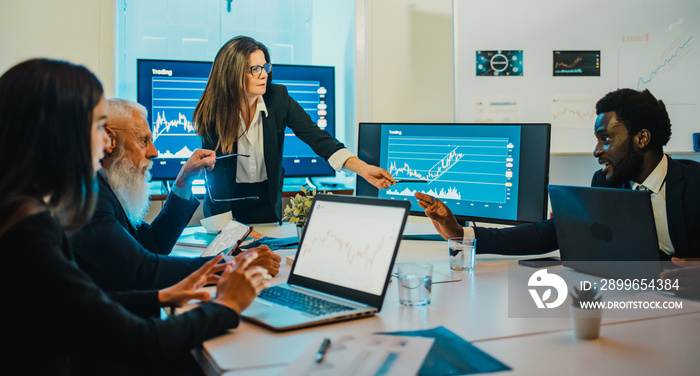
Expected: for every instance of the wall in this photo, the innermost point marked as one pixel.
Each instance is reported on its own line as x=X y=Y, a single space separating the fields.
x=80 y=31
x=403 y=51
x=404 y=61
x=647 y=46
x=404 y=73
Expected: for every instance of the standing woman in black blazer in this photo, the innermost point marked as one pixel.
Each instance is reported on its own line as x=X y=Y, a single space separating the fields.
x=55 y=320
x=242 y=112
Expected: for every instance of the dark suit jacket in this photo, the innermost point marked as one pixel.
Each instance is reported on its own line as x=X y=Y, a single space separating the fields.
x=282 y=111
x=120 y=257
x=682 y=211
x=53 y=311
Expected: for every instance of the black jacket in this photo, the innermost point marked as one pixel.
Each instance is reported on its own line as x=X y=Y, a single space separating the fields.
x=682 y=211
x=282 y=111
x=52 y=311
x=120 y=257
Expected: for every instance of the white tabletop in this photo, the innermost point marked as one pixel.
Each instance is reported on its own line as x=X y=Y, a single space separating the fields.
x=475 y=308
x=667 y=346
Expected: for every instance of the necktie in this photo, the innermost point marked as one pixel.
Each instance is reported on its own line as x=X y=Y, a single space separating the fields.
x=658 y=205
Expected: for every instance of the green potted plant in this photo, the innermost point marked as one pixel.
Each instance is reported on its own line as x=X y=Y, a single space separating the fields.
x=297 y=212
x=585 y=320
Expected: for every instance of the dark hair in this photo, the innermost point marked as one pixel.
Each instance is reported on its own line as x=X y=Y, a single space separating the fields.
x=45 y=134
x=219 y=110
x=638 y=110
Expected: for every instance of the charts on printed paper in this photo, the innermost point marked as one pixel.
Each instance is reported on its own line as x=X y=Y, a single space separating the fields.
x=573 y=112
x=497 y=109
x=659 y=64
x=667 y=64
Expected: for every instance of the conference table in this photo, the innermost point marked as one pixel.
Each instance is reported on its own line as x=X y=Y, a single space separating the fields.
x=475 y=308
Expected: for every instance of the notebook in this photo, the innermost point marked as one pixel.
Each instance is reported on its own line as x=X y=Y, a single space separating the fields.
x=342 y=267
x=606 y=232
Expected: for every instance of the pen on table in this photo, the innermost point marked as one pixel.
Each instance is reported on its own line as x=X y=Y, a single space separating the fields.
x=233 y=155
x=322 y=350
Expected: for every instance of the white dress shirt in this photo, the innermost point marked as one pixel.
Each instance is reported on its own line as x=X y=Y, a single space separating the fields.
x=252 y=169
x=656 y=183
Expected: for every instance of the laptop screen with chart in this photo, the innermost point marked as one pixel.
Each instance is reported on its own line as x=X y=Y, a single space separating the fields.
x=342 y=267
x=365 y=244
x=483 y=172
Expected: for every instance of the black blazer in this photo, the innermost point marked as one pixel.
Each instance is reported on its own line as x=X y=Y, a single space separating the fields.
x=53 y=311
x=120 y=257
x=682 y=211
x=282 y=111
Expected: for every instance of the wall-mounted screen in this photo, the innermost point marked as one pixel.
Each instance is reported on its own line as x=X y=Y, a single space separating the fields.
x=484 y=172
x=499 y=63
x=171 y=89
x=576 y=63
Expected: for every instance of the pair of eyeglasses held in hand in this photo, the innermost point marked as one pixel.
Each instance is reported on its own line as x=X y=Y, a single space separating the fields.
x=208 y=186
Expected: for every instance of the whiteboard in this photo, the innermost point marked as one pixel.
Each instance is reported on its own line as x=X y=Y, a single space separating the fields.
x=643 y=44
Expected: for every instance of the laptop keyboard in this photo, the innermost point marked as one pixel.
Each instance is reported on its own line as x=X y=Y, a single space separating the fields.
x=301 y=302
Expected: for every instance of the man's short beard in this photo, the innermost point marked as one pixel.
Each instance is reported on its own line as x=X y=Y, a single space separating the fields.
x=628 y=168
x=130 y=185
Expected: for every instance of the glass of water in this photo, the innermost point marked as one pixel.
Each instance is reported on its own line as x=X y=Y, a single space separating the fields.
x=462 y=253
x=415 y=283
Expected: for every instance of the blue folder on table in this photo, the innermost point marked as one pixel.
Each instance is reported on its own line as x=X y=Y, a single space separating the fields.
x=452 y=355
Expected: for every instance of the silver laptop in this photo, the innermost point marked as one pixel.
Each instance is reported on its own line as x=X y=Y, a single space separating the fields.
x=342 y=267
x=606 y=232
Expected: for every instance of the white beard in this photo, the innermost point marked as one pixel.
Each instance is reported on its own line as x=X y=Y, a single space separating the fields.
x=130 y=185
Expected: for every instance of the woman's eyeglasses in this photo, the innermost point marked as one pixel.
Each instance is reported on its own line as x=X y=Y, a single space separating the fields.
x=256 y=70
x=208 y=186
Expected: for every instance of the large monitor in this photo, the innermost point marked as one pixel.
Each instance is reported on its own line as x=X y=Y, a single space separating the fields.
x=171 y=89
x=484 y=172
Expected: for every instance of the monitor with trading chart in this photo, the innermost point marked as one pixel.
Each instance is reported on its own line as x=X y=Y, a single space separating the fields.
x=171 y=89
x=494 y=173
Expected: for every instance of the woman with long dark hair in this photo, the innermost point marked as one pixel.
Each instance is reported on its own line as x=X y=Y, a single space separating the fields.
x=55 y=319
x=242 y=112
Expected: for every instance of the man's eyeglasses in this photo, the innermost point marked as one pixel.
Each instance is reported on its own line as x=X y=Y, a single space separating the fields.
x=256 y=70
x=208 y=186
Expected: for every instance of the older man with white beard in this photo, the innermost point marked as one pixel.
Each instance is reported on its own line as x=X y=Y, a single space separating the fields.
x=117 y=248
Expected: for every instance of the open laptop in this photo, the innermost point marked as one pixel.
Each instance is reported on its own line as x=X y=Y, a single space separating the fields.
x=606 y=232
x=342 y=267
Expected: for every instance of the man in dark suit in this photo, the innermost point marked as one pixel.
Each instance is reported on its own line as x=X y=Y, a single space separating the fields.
x=117 y=248
x=632 y=128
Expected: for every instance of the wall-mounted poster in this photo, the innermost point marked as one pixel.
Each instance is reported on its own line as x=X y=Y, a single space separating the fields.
x=499 y=63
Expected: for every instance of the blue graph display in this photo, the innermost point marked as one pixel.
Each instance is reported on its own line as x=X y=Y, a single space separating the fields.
x=474 y=172
x=311 y=97
x=174 y=100
x=170 y=90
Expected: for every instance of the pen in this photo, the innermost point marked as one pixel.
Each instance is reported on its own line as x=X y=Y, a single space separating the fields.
x=409 y=181
x=322 y=350
x=233 y=155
